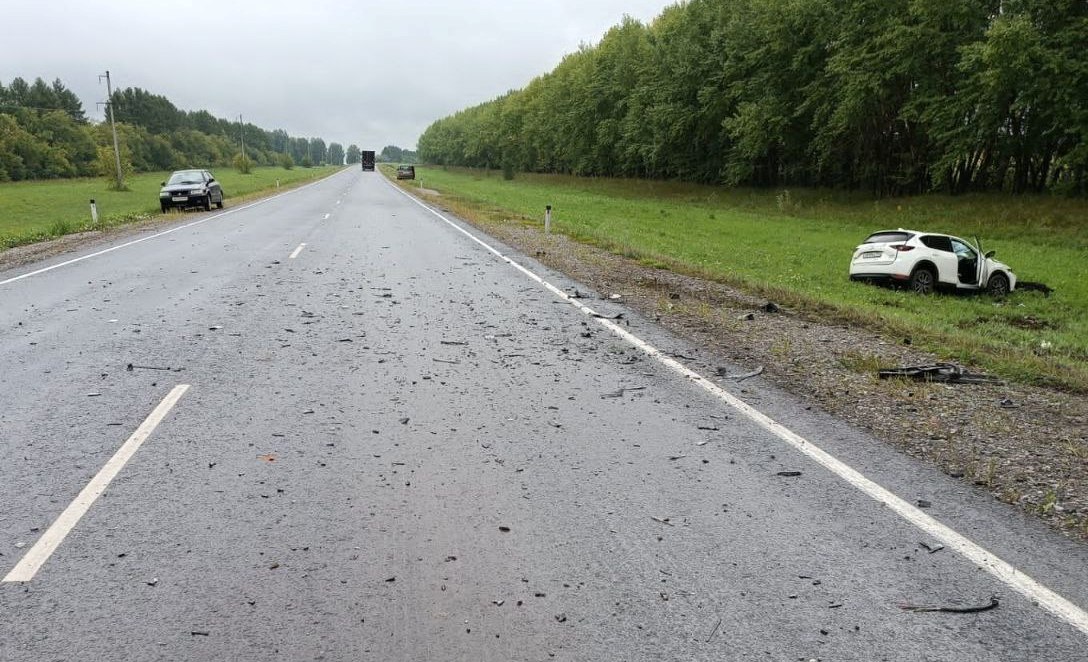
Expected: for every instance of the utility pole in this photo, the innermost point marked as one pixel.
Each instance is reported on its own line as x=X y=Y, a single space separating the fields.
x=113 y=126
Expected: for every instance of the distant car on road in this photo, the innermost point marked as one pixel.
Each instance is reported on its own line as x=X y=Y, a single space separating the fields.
x=191 y=188
x=406 y=172
x=925 y=261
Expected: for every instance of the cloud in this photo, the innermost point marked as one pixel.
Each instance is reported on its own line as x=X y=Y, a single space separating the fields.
x=367 y=72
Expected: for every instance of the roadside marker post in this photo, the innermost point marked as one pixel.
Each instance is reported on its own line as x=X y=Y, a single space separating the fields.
x=94 y=213
x=547 y=219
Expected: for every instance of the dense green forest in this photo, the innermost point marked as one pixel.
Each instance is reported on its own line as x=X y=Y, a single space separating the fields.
x=44 y=133
x=890 y=96
x=394 y=154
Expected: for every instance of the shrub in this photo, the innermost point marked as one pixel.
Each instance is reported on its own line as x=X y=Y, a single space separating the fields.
x=107 y=167
x=243 y=163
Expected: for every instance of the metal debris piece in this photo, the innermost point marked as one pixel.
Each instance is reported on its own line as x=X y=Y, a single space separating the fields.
x=663 y=520
x=788 y=474
x=620 y=392
x=932 y=548
x=939 y=372
x=722 y=371
x=714 y=631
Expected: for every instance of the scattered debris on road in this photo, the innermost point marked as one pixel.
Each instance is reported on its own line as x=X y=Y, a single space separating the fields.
x=932 y=548
x=788 y=474
x=992 y=604
x=131 y=366
x=663 y=520
x=619 y=393
x=722 y=371
x=714 y=631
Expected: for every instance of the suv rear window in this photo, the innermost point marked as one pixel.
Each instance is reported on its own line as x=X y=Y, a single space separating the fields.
x=887 y=237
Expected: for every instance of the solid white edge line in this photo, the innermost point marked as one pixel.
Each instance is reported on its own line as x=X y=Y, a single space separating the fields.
x=297 y=251
x=164 y=232
x=1003 y=571
x=29 y=565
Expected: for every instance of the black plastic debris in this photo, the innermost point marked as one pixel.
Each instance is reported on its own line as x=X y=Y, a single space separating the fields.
x=939 y=372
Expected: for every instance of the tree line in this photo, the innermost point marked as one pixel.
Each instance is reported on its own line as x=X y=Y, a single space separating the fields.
x=891 y=96
x=45 y=133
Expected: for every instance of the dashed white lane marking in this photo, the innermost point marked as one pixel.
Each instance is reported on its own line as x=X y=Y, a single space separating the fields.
x=161 y=234
x=1005 y=572
x=29 y=565
x=297 y=251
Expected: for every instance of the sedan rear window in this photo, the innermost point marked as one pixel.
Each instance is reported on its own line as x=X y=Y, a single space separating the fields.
x=887 y=237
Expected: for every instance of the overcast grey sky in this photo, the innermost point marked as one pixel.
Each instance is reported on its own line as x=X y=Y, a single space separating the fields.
x=368 y=72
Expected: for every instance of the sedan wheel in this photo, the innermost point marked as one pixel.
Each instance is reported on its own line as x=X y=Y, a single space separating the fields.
x=998 y=286
x=208 y=202
x=922 y=281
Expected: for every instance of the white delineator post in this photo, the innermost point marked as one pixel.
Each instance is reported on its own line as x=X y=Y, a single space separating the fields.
x=94 y=213
x=547 y=219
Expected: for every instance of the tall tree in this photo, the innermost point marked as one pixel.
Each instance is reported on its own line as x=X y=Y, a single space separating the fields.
x=354 y=154
x=335 y=154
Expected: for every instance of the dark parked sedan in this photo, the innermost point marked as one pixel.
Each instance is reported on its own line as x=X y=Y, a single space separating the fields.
x=191 y=188
x=406 y=172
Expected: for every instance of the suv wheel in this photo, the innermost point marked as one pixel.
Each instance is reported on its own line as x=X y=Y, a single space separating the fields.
x=998 y=285
x=923 y=280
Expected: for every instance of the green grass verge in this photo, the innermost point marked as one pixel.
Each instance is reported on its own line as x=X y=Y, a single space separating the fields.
x=37 y=210
x=795 y=246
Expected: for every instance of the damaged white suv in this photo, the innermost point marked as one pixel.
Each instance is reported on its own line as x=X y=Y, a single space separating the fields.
x=925 y=262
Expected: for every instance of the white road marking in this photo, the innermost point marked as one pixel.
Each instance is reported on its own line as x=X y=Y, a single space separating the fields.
x=297 y=251
x=1003 y=571
x=161 y=234
x=25 y=570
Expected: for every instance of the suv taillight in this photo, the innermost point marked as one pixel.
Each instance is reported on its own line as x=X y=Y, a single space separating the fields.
x=902 y=248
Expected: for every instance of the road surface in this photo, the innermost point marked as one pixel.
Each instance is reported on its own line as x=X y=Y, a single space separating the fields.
x=332 y=425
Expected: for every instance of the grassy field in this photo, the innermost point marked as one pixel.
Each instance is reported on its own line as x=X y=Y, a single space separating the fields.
x=794 y=247
x=32 y=211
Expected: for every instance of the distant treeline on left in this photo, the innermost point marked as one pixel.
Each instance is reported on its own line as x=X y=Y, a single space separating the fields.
x=45 y=134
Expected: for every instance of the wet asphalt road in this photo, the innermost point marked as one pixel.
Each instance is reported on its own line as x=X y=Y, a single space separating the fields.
x=396 y=446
